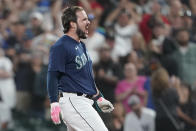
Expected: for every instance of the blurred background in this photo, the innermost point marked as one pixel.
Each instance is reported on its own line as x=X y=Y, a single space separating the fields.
x=143 y=53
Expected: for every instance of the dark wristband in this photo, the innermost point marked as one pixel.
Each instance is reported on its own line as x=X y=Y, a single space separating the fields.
x=97 y=97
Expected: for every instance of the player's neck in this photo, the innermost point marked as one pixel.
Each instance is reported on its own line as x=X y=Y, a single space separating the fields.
x=73 y=36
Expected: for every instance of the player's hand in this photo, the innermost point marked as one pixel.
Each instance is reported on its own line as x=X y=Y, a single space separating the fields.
x=105 y=105
x=55 y=112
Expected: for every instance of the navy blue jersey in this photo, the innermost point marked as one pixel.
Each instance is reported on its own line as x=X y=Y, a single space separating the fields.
x=71 y=59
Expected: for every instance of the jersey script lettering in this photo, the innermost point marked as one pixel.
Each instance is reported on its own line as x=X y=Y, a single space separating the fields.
x=80 y=61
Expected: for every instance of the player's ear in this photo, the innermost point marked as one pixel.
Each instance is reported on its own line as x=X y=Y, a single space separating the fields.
x=73 y=25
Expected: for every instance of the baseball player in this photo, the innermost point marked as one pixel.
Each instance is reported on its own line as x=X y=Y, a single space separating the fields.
x=70 y=75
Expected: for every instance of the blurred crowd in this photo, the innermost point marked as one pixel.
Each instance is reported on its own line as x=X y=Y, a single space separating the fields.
x=143 y=53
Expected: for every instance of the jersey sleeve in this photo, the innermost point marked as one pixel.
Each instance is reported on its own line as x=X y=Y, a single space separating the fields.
x=52 y=82
x=57 y=59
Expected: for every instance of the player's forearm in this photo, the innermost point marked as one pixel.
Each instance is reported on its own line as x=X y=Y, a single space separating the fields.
x=52 y=82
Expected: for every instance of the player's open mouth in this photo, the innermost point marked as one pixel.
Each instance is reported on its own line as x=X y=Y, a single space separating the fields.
x=86 y=31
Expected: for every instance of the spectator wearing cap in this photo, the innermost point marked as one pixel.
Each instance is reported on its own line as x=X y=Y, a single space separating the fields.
x=35 y=27
x=189 y=24
x=17 y=35
x=141 y=118
x=187 y=18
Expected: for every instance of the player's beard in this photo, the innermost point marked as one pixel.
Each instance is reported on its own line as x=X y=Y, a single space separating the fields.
x=81 y=34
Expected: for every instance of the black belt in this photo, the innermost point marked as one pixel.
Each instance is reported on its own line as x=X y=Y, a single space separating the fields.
x=79 y=94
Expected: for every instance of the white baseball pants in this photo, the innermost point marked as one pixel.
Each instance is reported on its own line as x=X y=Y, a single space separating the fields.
x=79 y=115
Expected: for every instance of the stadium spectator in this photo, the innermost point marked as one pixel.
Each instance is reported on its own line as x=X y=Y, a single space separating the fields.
x=150 y=19
x=118 y=116
x=7 y=91
x=7 y=85
x=17 y=35
x=39 y=93
x=124 y=28
x=163 y=96
x=138 y=61
x=141 y=118
x=174 y=15
x=24 y=81
x=189 y=24
x=107 y=73
x=187 y=104
x=185 y=57
x=35 y=28
x=131 y=84
x=166 y=102
x=139 y=44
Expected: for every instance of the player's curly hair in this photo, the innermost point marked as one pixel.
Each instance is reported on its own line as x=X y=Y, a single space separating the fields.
x=69 y=15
